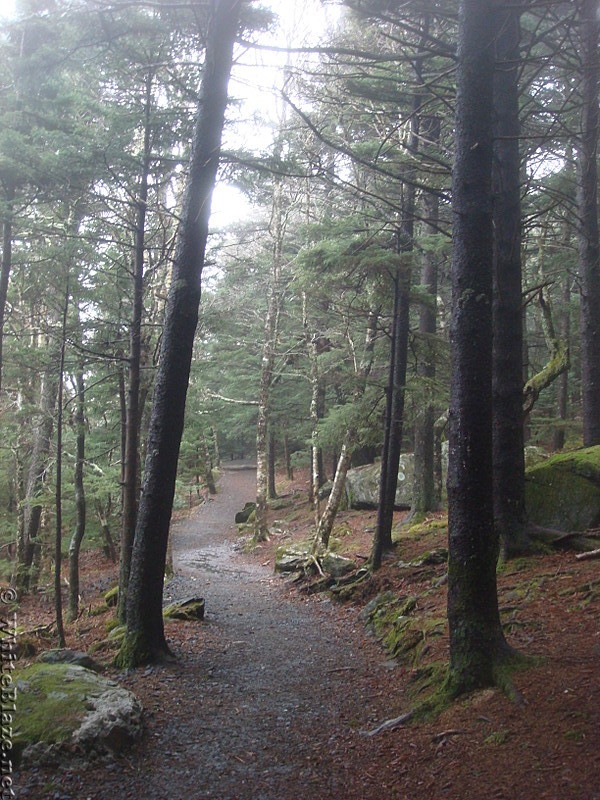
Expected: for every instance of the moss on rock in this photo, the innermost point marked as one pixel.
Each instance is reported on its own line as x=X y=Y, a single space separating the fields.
x=55 y=704
x=563 y=492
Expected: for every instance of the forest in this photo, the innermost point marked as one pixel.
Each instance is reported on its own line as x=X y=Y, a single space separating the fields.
x=405 y=268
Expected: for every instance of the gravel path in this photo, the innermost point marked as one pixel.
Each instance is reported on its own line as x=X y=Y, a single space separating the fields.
x=267 y=694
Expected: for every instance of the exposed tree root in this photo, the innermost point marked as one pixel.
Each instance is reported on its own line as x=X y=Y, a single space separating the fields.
x=570 y=540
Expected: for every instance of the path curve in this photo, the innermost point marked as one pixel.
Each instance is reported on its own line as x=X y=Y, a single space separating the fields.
x=268 y=693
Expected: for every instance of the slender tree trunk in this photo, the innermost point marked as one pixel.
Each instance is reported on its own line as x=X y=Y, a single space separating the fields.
x=392 y=445
x=562 y=398
x=58 y=608
x=7 y=235
x=424 y=493
x=261 y=531
x=28 y=544
x=209 y=477
x=310 y=341
x=132 y=414
x=272 y=487
x=80 y=502
x=109 y=546
x=589 y=242
x=509 y=463
x=337 y=490
x=289 y=472
x=394 y=422
x=476 y=638
x=215 y=438
x=145 y=638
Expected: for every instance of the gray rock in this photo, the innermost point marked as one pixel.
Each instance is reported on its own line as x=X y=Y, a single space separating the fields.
x=64 y=710
x=362 y=484
x=65 y=656
x=336 y=565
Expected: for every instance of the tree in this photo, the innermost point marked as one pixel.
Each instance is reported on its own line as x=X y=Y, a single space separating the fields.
x=145 y=639
x=509 y=464
x=589 y=238
x=477 y=643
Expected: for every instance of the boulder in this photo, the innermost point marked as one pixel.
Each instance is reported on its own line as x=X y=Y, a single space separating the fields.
x=64 y=709
x=362 y=484
x=294 y=558
x=245 y=514
x=336 y=565
x=192 y=608
x=563 y=492
x=64 y=656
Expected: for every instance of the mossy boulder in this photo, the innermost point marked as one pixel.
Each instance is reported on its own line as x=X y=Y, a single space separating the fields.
x=62 y=710
x=65 y=656
x=362 y=484
x=300 y=557
x=563 y=492
x=191 y=608
x=243 y=516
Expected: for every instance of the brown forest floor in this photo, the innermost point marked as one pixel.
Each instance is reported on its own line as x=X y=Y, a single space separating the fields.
x=272 y=695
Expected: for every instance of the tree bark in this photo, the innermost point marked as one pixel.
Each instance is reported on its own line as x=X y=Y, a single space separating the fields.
x=58 y=607
x=589 y=242
x=145 y=638
x=562 y=394
x=424 y=493
x=476 y=638
x=509 y=463
x=80 y=502
x=132 y=411
x=28 y=544
x=272 y=487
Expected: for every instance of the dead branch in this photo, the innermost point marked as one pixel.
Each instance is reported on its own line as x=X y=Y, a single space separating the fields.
x=390 y=724
x=588 y=556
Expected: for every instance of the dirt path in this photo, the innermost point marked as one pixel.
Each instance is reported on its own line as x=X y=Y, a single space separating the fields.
x=264 y=695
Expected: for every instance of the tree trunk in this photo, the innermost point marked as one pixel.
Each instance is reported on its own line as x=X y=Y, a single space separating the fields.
x=58 y=609
x=333 y=501
x=261 y=531
x=589 y=243
x=145 y=638
x=28 y=545
x=272 y=487
x=394 y=422
x=476 y=638
x=102 y=513
x=209 y=477
x=7 y=226
x=562 y=398
x=396 y=391
x=310 y=340
x=80 y=503
x=289 y=471
x=132 y=414
x=424 y=492
x=509 y=463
